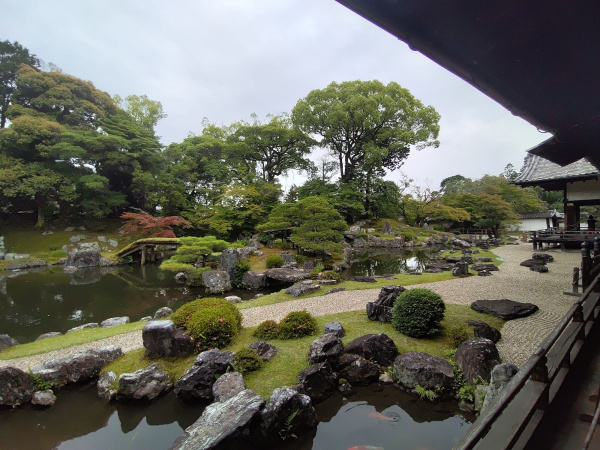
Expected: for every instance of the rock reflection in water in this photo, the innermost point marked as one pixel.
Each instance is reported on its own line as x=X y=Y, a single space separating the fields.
x=380 y=261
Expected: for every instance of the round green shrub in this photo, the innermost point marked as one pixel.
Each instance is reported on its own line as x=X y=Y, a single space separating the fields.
x=267 y=330
x=296 y=325
x=418 y=313
x=246 y=360
x=274 y=261
x=330 y=275
x=211 y=328
x=183 y=314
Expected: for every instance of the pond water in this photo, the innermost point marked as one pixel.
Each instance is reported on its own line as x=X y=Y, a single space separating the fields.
x=378 y=416
x=50 y=300
x=381 y=261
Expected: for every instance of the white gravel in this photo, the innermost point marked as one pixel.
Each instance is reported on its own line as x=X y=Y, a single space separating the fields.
x=520 y=337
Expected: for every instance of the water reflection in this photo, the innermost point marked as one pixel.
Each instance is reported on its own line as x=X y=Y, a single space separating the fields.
x=381 y=261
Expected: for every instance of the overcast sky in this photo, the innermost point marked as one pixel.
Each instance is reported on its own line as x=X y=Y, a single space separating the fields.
x=227 y=59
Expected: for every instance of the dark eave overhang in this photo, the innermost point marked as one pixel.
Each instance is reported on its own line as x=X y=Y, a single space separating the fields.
x=537 y=58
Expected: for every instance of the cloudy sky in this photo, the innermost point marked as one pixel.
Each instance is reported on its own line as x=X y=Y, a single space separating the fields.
x=227 y=59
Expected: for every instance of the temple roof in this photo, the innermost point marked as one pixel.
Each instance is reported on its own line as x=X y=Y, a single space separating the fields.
x=538 y=171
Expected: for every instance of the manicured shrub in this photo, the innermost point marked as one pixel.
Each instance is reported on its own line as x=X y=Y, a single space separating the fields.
x=314 y=274
x=267 y=330
x=330 y=275
x=274 y=261
x=241 y=267
x=300 y=259
x=296 y=325
x=285 y=245
x=211 y=328
x=246 y=360
x=418 y=313
x=240 y=243
x=181 y=317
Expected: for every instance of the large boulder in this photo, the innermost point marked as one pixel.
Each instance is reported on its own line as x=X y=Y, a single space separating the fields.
x=114 y=321
x=378 y=348
x=83 y=258
x=533 y=262
x=254 y=280
x=48 y=335
x=357 y=370
x=7 y=341
x=227 y=386
x=488 y=267
x=143 y=384
x=476 y=357
x=501 y=375
x=197 y=382
x=221 y=422
x=302 y=289
x=85 y=326
x=216 y=281
x=364 y=279
x=317 y=381
x=162 y=313
x=414 y=369
x=387 y=228
x=231 y=256
x=286 y=403
x=287 y=275
x=80 y=367
x=483 y=330
x=263 y=349
x=460 y=243
x=104 y=385
x=16 y=387
x=504 y=309
x=381 y=309
x=328 y=347
x=543 y=257
x=335 y=328
x=161 y=338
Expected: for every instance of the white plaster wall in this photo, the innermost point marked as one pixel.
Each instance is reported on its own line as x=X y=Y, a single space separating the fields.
x=583 y=190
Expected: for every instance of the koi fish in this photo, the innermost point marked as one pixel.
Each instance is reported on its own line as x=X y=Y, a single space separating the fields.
x=365 y=447
x=380 y=416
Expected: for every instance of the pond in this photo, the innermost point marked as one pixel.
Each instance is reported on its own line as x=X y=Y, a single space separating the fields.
x=378 y=416
x=41 y=301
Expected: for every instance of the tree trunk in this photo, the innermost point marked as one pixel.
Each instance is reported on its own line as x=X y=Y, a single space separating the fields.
x=40 y=201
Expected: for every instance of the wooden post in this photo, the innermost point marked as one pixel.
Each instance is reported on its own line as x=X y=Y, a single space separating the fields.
x=534 y=240
x=586 y=265
x=143 y=257
x=596 y=246
x=575 y=280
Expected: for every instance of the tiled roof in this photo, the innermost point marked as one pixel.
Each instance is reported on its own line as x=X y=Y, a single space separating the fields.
x=540 y=169
x=541 y=214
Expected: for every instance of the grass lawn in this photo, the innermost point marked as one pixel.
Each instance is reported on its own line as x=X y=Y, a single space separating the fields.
x=292 y=356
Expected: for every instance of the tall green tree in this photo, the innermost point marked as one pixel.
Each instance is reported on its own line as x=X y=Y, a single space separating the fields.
x=270 y=149
x=12 y=55
x=367 y=125
x=145 y=111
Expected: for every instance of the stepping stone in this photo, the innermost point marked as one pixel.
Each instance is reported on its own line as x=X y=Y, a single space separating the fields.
x=504 y=309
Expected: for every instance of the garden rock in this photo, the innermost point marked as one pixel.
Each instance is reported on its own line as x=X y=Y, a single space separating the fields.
x=301 y=289
x=82 y=366
x=357 y=370
x=381 y=309
x=317 y=381
x=162 y=338
x=334 y=290
x=143 y=384
x=483 y=330
x=114 y=321
x=227 y=386
x=476 y=357
x=440 y=266
x=83 y=258
x=234 y=299
x=89 y=246
x=539 y=268
x=283 y=404
x=48 y=335
x=180 y=277
x=163 y=312
x=532 y=262
x=15 y=256
x=287 y=275
x=501 y=375
x=288 y=258
x=362 y=279
x=387 y=228
x=7 y=341
x=542 y=257
x=264 y=350
x=414 y=369
x=231 y=256
x=17 y=266
x=378 y=348
x=254 y=280
x=460 y=243
x=484 y=273
x=33 y=263
x=483 y=259
x=488 y=267
x=113 y=243
x=104 y=383
x=196 y=383
x=308 y=265
x=221 y=422
x=504 y=309
x=85 y=326
x=254 y=242
x=433 y=270
x=328 y=348
x=43 y=398
x=216 y=281
x=16 y=387
x=335 y=328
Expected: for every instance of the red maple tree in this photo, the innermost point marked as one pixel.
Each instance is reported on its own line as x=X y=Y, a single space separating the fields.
x=150 y=226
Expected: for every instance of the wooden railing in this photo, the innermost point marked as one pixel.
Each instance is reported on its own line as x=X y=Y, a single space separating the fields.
x=510 y=421
x=590 y=267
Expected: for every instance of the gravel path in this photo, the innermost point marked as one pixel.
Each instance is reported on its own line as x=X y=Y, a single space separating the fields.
x=520 y=337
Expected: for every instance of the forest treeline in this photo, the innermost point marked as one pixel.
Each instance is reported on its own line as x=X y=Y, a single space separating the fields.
x=71 y=152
